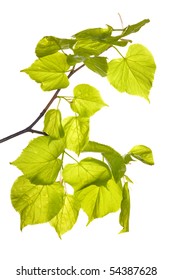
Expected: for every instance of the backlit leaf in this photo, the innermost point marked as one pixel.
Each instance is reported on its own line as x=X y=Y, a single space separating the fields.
x=39 y=160
x=88 y=171
x=50 y=71
x=67 y=216
x=94 y=33
x=36 y=203
x=125 y=209
x=134 y=73
x=142 y=153
x=134 y=27
x=89 y=47
x=98 y=201
x=52 y=124
x=98 y=65
x=76 y=133
x=87 y=100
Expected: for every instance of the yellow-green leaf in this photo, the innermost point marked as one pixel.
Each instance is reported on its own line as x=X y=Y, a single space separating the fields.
x=53 y=125
x=125 y=209
x=142 y=153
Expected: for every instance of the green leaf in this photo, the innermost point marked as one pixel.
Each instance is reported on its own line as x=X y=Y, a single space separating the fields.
x=50 y=71
x=76 y=133
x=98 y=65
x=86 y=172
x=53 y=125
x=98 y=201
x=39 y=160
x=114 y=159
x=125 y=209
x=87 y=47
x=36 y=203
x=87 y=100
x=142 y=153
x=50 y=44
x=94 y=33
x=134 y=28
x=67 y=216
x=134 y=73
x=74 y=59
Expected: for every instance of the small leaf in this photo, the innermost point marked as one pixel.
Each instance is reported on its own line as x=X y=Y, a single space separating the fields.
x=67 y=216
x=87 y=100
x=50 y=71
x=52 y=124
x=134 y=73
x=134 y=27
x=142 y=153
x=125 y=209
x=98 y=65
x=39 y=160
x=76 y=133
x=98 y=201
x=88 y=47
x=94 y=33
x=88 y=171
x=36 y=203
x=74 y=59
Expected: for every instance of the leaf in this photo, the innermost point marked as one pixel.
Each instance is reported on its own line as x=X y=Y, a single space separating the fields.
x=94 y=33
x=125 y=209
x=142 y=153
x=134 y=27
x=39 y=160
x=88 y=47
x=98 y=65
x=50 y=71
x=88 y=171
x=134 y=73
x=87 y=100
x=36 y=203
x=50 y=44
x=67 y=216
x=98 y=201
x=114 y=159
x=74 y=59
x=53 y=125
x=76 y=133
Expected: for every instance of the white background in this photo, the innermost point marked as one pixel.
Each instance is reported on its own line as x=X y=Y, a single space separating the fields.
x=127 y=122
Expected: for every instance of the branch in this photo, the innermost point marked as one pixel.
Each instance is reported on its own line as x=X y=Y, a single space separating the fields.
x=30 y=127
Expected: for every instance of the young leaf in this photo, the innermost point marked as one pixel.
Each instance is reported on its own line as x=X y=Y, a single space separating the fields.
x=134 y=27
x=98 y=65
x=125 y=209
x=94 y=33
x=36 y=203
x=76 y=133
x=50 y=44
x=50 y=71
x=88 y=47
x=67 y=216
x=87 y=100
x=52 y=124
x=39 y=160
x=134 y=73
x=114 y=159
x=142 y=153
x=88 y=171
x=98 y=201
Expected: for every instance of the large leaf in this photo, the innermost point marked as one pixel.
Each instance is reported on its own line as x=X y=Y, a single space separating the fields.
x=76 y=133
x=50 y=71
x=134 y=73
x=88 y=171
x=39 y=160
x=52 y=124
x=87 y=100
x=125 y=209
x=67 y=216
x=36 y=203
x=98 y=201
x=98 y=65
x=142 y=153
x=115 y=160
x=50 y=44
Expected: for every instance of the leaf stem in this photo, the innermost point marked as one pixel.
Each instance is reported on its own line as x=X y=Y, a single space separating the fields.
x=70 y=156
x=118 y=51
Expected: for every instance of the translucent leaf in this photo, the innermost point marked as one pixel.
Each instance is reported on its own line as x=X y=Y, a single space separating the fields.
x=87 y=100
x=50 y=71
x=39 y=160
x=134 y=73
x=52 y=124
x=142 y=153
x=88 y=171
x=115 y=160
x=74 y=59
x=94 y=33
x=36 y=203
x=50 y=44
x=76 y=133
x=67 y=216
x=98 y=65
x=134 y=27
x=87 y=47
x=125 y=209
x=98 y=201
